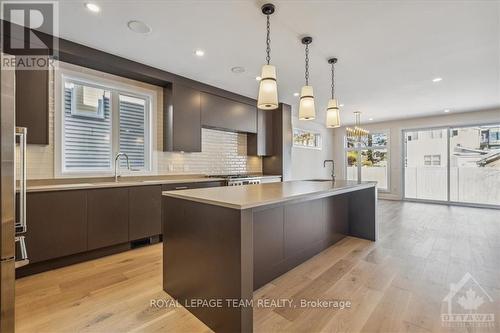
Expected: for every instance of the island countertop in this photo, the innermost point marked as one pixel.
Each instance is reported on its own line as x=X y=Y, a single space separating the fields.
x=251 y=196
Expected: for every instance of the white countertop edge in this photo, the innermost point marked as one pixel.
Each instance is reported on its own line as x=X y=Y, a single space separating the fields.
x=126 y=183
x=312 y=196
x=83 y=186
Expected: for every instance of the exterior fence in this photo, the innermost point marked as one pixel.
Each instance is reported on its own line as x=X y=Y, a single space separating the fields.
x=468 y=185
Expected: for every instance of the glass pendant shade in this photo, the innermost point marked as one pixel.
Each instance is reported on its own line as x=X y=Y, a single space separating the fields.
x=332 y=114
x=306 y=106
x=268 y=89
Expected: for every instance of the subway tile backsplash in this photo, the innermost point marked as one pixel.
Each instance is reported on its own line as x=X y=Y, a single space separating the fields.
x=222 y=152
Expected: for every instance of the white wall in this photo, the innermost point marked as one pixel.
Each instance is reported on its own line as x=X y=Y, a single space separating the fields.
x=395 y=129
x=308 y=163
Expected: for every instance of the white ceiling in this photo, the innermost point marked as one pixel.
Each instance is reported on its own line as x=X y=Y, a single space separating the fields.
x=389 y=51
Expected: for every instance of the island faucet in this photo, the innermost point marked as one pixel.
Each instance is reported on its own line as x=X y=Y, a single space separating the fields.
x=117 y=157
x=333 y=167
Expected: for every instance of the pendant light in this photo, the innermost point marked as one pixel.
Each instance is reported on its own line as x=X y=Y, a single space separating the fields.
x=306 y=106
x=332 y=110
x=268 y=89
x=357 y=133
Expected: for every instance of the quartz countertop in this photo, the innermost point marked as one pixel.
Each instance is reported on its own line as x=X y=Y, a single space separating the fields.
x=44 y=185
x=251 y=196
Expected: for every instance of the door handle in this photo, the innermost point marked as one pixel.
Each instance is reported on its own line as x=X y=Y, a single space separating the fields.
x=23 y=261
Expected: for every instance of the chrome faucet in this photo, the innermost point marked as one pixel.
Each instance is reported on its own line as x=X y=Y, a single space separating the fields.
x=333 y=167
x=117 y=157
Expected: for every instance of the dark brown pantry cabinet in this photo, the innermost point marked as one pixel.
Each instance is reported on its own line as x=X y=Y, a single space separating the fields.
x=57 y=224
x=182 y=119
x=108 y=213
x=32 y=104
x=261 y=143
x=224 y=113
x=144 y=211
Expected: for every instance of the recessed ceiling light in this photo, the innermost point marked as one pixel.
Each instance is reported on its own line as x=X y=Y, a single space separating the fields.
x=139 y=27
x=446 y=110
x=437 y=79
x=92 y=7
x=341 y=105
x=296 y=94
x=258 y=78
x=199 y=53
x=238 y=69
x=370 y=119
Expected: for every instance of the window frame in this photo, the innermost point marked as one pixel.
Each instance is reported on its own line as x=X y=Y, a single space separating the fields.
x=358 y=151
x=117 y=88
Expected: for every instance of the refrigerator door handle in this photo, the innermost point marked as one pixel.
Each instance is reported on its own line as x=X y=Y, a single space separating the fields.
x=21 y=226
x=23 y=260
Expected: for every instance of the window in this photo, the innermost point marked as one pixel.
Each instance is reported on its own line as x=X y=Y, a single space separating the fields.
x=436 y=160
x=368 y=159
x=306 y=139
x=427 y=160
x=97 y=122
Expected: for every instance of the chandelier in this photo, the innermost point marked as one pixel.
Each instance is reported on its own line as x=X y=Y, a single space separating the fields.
x=357 y=132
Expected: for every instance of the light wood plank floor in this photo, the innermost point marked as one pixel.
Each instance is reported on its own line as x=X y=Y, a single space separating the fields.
x=395 y=285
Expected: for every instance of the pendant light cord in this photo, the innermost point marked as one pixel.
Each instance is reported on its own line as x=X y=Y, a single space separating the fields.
x=333 y=81
x=307 y=64
x=268 y=41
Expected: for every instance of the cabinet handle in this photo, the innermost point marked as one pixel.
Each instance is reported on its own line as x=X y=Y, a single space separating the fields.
x=181 y=187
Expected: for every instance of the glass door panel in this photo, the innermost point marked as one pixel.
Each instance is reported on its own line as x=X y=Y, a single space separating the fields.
x=426 y=164
x=475 y=164
x=352 y=164
x=374 y=167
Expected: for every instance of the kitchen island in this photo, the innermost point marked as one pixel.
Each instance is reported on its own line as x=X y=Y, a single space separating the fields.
x=221 y=244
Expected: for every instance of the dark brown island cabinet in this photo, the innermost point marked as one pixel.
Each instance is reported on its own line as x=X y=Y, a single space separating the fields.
x=220 y=245
x=69 y=226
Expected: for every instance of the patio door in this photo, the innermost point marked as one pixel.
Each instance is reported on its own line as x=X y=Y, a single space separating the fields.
x=426 y=174
x=459 y=165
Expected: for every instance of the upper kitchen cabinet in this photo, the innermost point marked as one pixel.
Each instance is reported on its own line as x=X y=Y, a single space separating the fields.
x=182 y=119
x=261 y=143
x=32 y=104
x=223 y=113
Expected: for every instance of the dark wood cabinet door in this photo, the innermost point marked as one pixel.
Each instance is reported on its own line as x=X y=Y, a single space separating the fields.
x=57 y=224
x=182 y=123
x=32 y=104
x=107 y=211
x=223 y=113
x=261 y=143
x=144 y=211
x=304 y=226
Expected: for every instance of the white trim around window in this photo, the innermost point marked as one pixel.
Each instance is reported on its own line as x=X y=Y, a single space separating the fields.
x=117 y=88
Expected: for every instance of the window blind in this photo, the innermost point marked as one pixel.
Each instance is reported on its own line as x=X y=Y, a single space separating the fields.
x=132 y=130
x=87 y=140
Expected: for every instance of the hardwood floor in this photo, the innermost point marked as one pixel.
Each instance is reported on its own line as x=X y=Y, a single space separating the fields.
x=395 y=285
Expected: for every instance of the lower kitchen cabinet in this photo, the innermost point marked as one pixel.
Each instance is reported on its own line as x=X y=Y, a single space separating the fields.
x=144 y=211
x=108 y=215
x=65 y=227
x=57 y=224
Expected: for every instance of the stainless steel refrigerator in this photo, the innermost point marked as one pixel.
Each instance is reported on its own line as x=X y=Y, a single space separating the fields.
x=13 y=199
